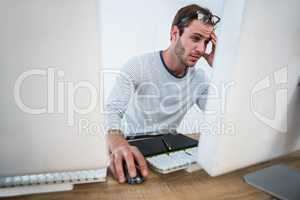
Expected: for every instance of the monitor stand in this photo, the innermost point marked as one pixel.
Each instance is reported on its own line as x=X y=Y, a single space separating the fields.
x=34 y=189
x=279 y=180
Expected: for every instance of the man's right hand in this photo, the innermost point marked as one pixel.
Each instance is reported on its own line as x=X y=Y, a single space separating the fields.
x=121 y=151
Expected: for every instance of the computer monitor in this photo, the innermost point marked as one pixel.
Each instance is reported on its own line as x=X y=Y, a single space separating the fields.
x=49 y=101
x=253 y=112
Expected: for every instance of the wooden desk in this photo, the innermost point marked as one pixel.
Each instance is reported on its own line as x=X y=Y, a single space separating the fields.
x=178 y=185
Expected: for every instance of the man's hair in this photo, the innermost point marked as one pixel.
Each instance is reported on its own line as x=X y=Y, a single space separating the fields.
x=188 y=11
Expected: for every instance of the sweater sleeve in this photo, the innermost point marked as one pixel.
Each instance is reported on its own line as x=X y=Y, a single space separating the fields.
x=203 y=88
x=120 y=95
x=202 y=99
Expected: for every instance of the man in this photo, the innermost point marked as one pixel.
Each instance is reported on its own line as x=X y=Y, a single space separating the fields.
x=155 y=90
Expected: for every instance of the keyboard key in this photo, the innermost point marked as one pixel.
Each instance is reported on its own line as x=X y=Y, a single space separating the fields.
x=16 y=180
x=72 y=176
x=25 y=180
x=77 y=176
x=49 y=178
x=81 y=175
x=33 y=179
x=2 y=181
x=65 y=177
x=91 y=174
x=41 y=179
x=8 y=181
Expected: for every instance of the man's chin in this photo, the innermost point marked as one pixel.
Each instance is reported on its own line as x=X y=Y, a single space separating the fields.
x=191 y=64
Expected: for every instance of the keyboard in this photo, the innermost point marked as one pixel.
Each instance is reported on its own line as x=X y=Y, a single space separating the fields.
x=174 y=161
x=73 y=177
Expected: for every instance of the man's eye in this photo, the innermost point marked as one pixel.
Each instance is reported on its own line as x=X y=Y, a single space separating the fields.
x=195 y=39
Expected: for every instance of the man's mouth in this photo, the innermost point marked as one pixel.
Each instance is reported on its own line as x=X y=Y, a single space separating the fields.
x=195 y=58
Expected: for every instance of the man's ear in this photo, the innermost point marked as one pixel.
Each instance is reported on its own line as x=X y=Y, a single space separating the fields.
x=174 y=33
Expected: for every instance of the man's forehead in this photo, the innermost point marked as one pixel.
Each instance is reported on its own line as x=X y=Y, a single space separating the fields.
x=198 y=27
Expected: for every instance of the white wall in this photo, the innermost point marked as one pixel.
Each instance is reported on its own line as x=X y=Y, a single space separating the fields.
x=132 y=27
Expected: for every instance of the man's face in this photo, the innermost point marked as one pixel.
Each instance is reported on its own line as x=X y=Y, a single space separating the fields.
x=191 y=45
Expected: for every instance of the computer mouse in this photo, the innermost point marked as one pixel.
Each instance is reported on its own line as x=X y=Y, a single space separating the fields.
x=133 y=180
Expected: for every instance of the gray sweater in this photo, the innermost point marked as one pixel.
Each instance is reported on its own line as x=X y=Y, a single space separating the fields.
x=148 y=98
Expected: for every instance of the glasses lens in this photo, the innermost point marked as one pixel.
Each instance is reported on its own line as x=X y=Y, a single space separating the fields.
x=211 y=19
x=215 y=19
x=205 y=19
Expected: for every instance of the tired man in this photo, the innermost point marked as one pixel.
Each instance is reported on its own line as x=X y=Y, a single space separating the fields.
x=155 y=90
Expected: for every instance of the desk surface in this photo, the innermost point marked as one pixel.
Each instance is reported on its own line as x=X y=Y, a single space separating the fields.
x=177 y=185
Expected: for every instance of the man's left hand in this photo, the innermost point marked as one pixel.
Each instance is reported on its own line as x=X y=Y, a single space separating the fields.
x=210 y=57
